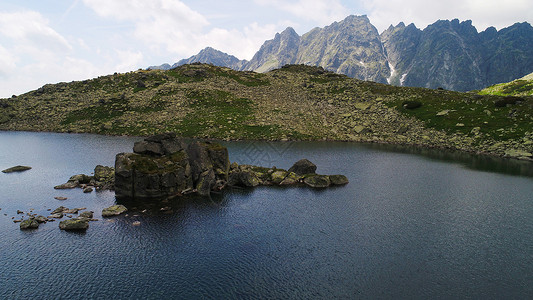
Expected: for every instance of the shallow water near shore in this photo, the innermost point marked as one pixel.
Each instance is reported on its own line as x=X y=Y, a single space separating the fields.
x=412 y=223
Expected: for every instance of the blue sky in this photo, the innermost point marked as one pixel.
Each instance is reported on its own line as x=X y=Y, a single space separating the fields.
x=63 y=40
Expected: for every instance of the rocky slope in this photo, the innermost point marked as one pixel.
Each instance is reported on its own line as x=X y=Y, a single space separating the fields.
x=295 y=102
x=448 y=54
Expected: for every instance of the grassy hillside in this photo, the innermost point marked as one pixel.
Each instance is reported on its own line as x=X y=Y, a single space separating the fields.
x=519 y=87
x=291 y=103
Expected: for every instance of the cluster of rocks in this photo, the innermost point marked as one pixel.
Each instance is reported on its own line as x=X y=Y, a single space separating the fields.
x=164 y=166
x=103 y=179
x=78 y=223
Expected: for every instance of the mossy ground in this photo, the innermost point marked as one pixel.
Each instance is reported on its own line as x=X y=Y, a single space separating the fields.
x=292 y=103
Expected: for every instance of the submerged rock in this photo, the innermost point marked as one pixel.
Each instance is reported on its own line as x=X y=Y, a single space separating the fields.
x=338 y=179
x=16 y=169
x=114 y=210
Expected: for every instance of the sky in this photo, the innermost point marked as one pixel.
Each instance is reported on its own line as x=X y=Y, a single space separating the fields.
x=64 y=40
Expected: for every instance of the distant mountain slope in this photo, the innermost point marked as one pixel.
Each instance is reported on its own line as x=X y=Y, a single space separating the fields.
x=447 y=54
x=207 y=56
x=519 y=87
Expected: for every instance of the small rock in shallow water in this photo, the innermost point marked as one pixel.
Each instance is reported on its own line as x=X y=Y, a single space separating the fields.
x=60 y=198
x=87 y=190
x=136 y=223
x=29 y=224
x=114 y=210
x=74 y=225
x=16 y=169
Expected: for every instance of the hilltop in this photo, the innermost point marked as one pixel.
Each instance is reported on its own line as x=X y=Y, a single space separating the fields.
x=295 y=102
x=519 y=87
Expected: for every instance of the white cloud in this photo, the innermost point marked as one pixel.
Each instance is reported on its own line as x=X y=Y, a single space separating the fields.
x=323 y=12
x=31 y=28
x=172 y=25
x=483 y=13
x=167 y=22
x=129 y=60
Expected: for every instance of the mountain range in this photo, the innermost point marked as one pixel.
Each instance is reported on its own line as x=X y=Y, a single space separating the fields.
x=448 y=54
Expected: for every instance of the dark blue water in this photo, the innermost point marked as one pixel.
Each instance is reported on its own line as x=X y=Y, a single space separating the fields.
x=408 y=225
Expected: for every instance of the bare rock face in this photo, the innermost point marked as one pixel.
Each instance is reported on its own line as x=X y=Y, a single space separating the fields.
x=164 y=166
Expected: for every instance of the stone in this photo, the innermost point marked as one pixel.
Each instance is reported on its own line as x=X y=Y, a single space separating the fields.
x=278 y=176
x=61 y=198
x=245 y=178
x=338 y=179
x=86 y=214
x=114 y=210
x=291 y=179
x=206 y=182
x=16 y=169
x=104 y=173
x=59 y=210
x=443 y=112
x=88 y=190
x=75 y=224
x=67 y=185
x=303 y=167
x=80 y=178
x=56 y=215
x=317 y=181
x=41 y=219
x=29 y=224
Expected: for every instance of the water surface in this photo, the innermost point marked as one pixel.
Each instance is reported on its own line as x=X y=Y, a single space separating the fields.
x=407 y=226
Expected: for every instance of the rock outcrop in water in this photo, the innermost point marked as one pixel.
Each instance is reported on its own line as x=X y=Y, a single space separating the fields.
x=164 y=166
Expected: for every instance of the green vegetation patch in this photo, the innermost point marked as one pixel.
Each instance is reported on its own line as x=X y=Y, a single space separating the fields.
x=469 y=115
x=219 y=114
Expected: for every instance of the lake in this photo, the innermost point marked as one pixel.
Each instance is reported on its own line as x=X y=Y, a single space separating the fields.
x=411 y=223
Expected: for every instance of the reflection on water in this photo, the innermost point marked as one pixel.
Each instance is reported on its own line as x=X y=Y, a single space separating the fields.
x=485 y=163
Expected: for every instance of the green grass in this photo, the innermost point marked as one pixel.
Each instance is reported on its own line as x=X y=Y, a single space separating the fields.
x=504 y=123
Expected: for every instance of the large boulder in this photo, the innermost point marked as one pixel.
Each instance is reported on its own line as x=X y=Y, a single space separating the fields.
x=164 y=165
x=303 y=167
x=142 y=176
x=204 y=156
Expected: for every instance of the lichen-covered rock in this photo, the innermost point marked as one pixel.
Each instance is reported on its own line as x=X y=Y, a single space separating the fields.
x=291 y=179
x=104 y=173
x=317 y=181
x=165 y=166
x=16 y=169
x=86 y=215
x=206 y=182
x=338 y=179
x=278 y=176
x=303 y=167
x=244 y=178
x=141 y=176
x=29 y=224
x=114 y=210
x=76 y=224
x=41 y=219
